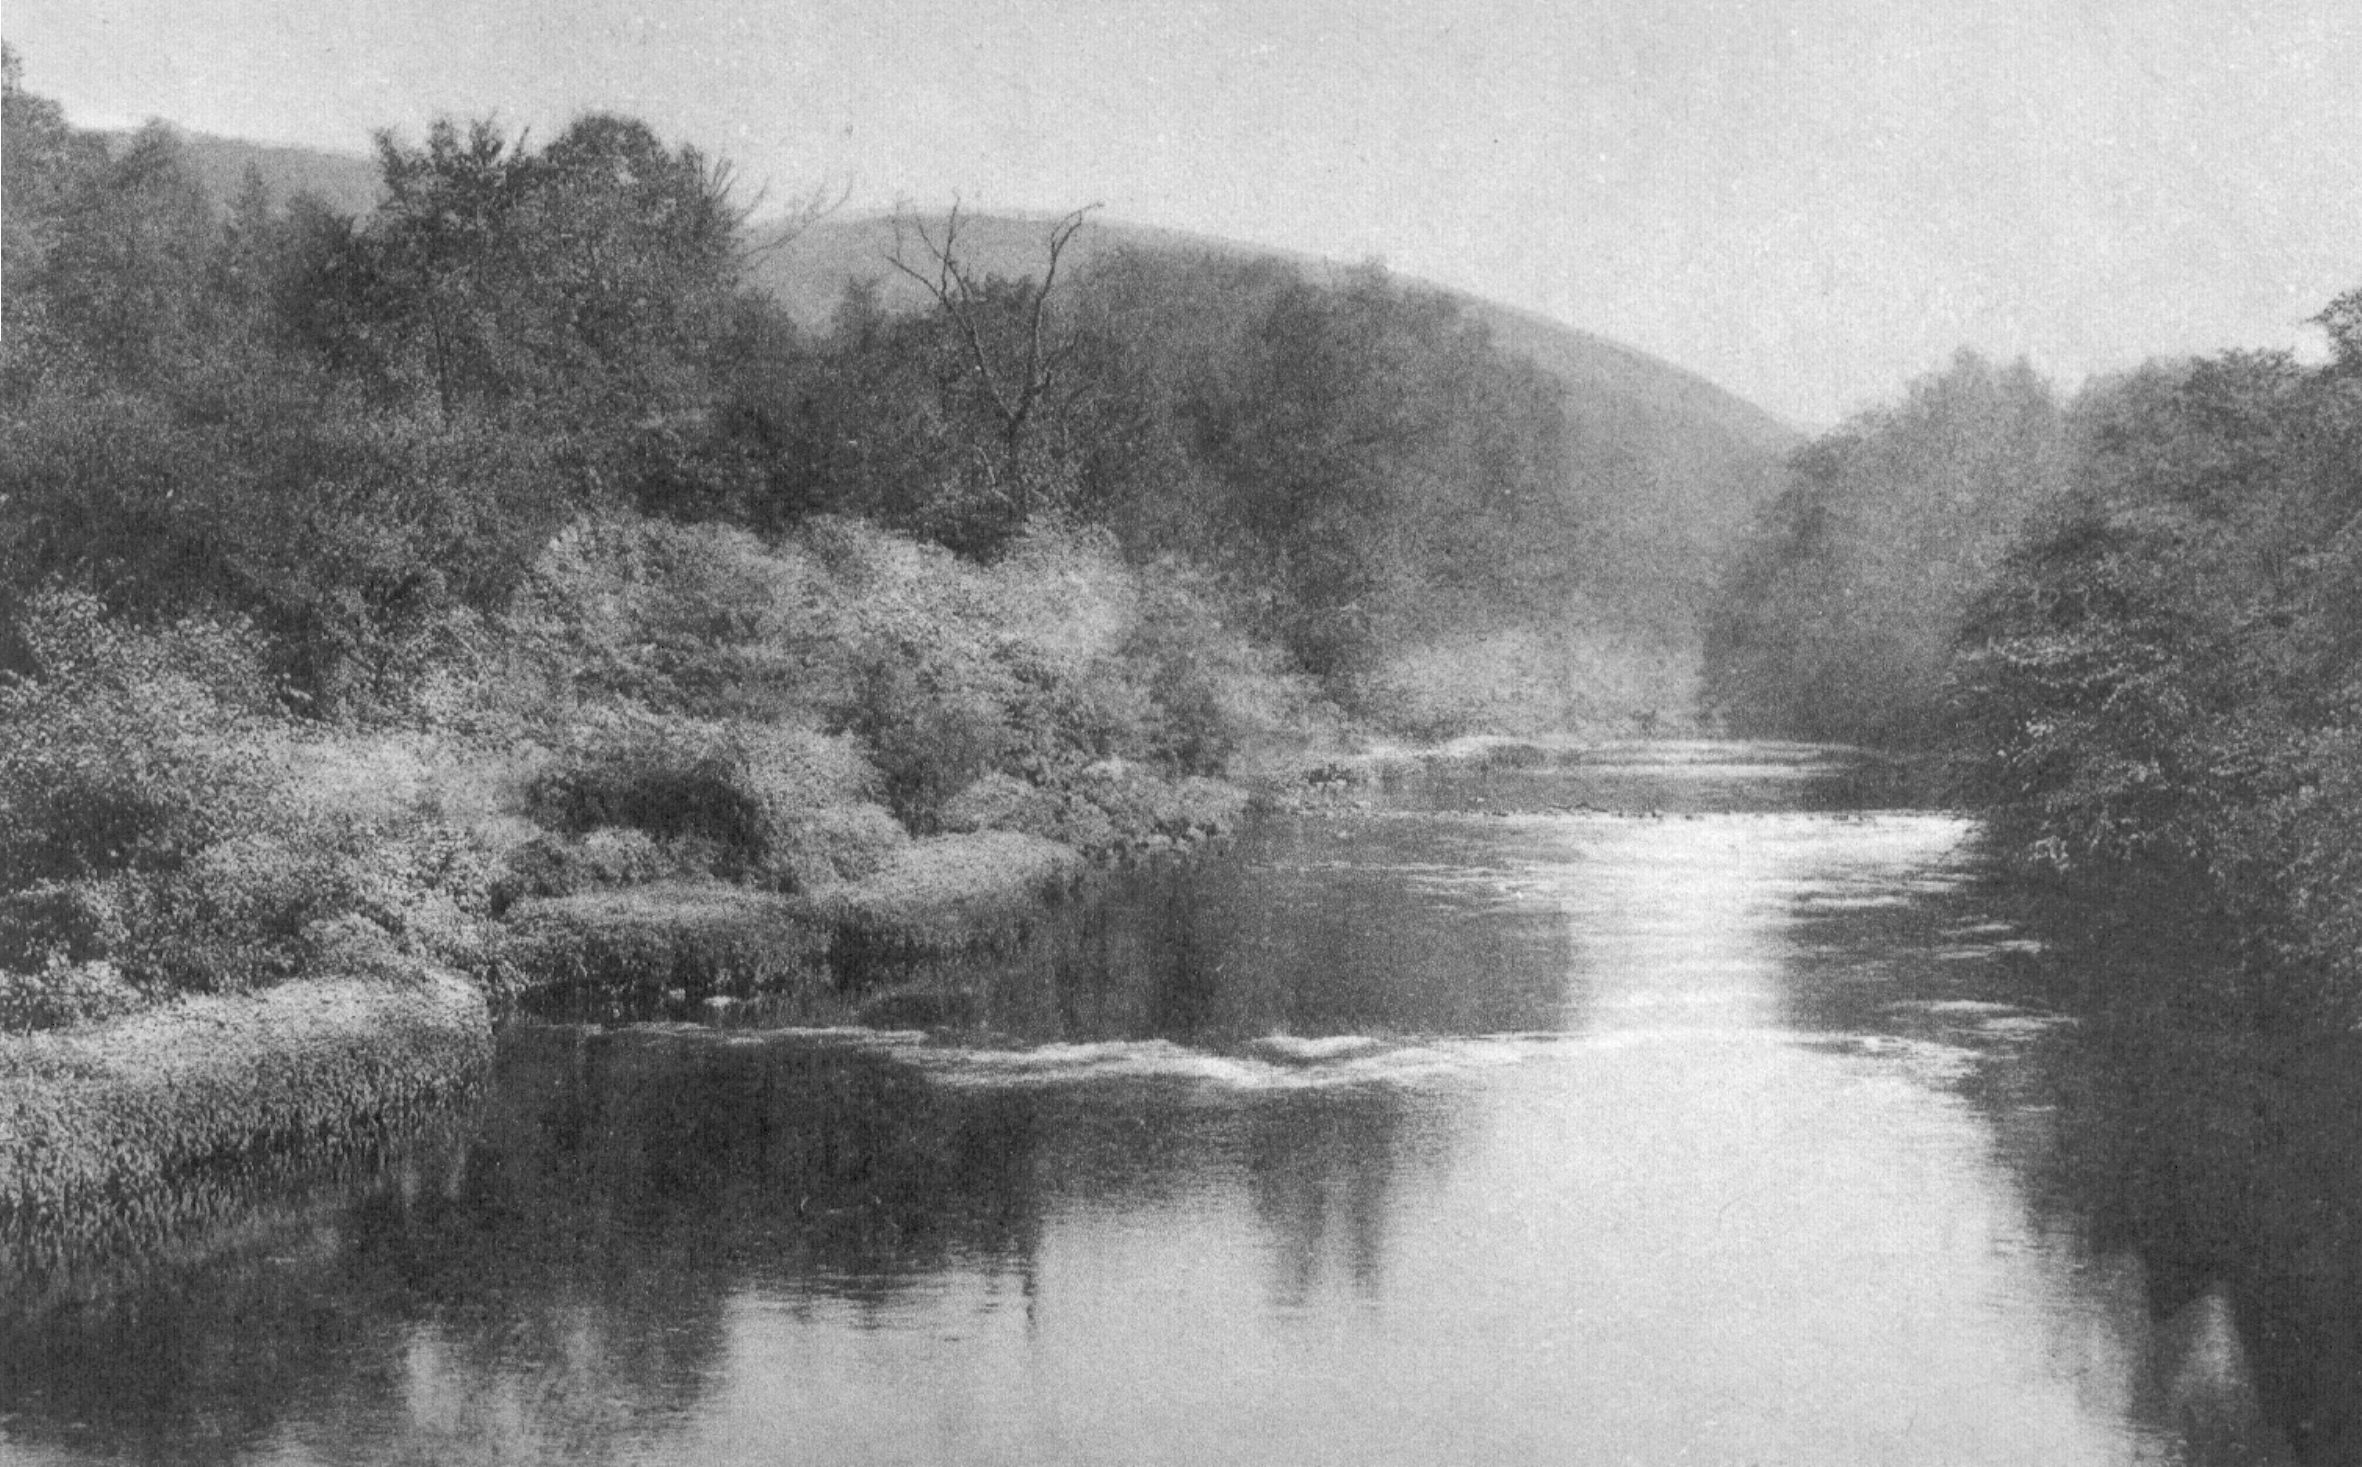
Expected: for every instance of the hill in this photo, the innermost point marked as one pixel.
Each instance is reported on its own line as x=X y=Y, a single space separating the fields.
x=807 y=270
x=1670 y=469
x=346 y=182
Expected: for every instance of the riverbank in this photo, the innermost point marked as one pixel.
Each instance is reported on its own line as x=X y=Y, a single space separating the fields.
x=118 y=1133
x=121 y=1131
x=341 y=1059
x=122 y=1134
x=693 y=949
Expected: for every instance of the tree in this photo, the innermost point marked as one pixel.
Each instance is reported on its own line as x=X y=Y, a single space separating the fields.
x=1838 y=618
x=117 y=251
x=42 y=161
x=1014 y=354
x=592 y=277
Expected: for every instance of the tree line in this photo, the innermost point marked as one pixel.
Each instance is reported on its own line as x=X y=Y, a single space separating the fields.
x=2129 y=622
x=353 y=429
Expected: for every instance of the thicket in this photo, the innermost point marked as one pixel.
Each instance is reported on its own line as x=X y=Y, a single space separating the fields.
x=1354 y=467
x=361 y=576
x=2132 y=624
x=1837 y=621
x=2157 y=692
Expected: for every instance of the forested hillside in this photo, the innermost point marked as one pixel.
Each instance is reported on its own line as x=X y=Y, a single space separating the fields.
x=1661 y=470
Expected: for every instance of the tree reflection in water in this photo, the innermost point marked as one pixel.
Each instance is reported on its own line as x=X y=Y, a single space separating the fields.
x=561 y=1284
x=570 y=1286
x=2228 y=1167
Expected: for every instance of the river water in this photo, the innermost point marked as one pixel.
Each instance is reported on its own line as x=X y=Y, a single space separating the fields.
x=1668 y=1106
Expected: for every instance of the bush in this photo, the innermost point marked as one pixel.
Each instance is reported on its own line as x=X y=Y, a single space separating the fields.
x=57 y=923
x=65 y=995
x=551 y=865
x=931 y=737
x=123 y=749
x=1213 y=691
x=1056 y=656
x=253 y=911
x=687 y=619
x=622 y=953
x=1108 y=809
x=363 y=546
x=949 y=894
x=780 y=806
x=155 y=817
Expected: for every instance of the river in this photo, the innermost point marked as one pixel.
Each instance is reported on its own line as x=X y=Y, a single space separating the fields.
x=1670 y=1105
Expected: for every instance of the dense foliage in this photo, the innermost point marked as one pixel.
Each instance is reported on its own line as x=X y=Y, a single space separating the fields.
x=361 y=575
x=1356 y=465
x=2157 y=690
x=2133 y=626
x=1838 y=619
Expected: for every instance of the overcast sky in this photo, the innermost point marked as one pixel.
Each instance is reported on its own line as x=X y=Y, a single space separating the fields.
x=1809 y=202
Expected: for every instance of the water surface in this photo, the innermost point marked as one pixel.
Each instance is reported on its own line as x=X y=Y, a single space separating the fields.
x=1660 y=1108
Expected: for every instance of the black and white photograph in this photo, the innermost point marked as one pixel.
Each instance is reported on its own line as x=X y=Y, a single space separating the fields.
x=1232 y=733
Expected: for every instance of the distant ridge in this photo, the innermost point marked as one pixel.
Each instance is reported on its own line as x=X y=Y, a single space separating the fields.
x=807 y=269
x=346 y=182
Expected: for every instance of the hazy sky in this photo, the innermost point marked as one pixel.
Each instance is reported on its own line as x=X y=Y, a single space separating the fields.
x=1809 y=202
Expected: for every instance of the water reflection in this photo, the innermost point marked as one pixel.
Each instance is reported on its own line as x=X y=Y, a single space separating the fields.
x=1488 y=1128
x=2223 y=1175
x=1378 y=925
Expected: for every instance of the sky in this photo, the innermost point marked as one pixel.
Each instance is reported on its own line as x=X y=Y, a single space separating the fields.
x=1809 y=202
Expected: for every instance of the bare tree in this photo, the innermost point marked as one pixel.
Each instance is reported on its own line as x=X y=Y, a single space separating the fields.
x=1016 y=385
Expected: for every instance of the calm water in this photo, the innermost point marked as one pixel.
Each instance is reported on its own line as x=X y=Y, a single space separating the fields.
x=1513 y=1123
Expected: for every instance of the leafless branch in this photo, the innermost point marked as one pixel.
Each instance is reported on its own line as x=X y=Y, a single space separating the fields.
x=956 y=293
x=815 y=205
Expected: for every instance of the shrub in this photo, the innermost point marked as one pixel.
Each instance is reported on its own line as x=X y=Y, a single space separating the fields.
x=1215 y=692
x=624 y=952
x=55 y=923
x=65 y=995
x=1108 y=809
x=950 y=894
x=780 y=806
x=1003 y=802
x=363 y=545
x=123 y=749
x=688 y=619
x=553 y=865
x=155 y=817
x=930 y=739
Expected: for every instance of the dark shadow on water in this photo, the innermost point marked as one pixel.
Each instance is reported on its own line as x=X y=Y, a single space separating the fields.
x=1310 y=927
x=2229 y=1166
x=567 y=1267
x=620 y=1190
x=1323 y=1172
x=2215 y=1163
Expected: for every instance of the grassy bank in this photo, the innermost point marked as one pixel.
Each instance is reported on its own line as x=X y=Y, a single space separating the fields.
x=127 y=1132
